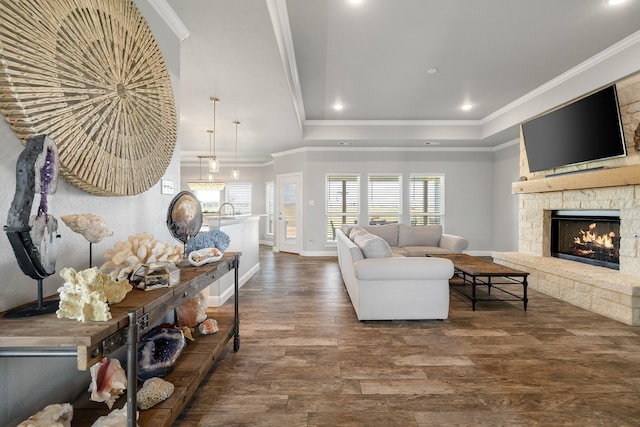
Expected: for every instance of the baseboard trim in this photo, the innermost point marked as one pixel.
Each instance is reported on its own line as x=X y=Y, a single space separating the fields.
x=218 y=300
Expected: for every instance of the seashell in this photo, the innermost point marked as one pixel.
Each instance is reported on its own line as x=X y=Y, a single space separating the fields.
x=116 y=418
x=159 y=351
x=153 y=391
x=108 y=381
x=209 y=326
x=92 y=227
x=56 y=415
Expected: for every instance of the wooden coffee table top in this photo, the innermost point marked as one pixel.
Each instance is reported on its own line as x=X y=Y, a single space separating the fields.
x=476 y=266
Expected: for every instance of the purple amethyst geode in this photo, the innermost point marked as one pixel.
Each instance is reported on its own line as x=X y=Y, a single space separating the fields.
x=158 y=352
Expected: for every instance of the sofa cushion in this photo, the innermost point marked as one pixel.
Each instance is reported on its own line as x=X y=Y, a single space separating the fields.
x=354 y=230
x=372 y=246
x=389 y=232
x=423 y=235
x=413 y=251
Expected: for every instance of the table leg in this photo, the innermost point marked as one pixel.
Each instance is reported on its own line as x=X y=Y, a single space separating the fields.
x=473 y=293
x=524 y=297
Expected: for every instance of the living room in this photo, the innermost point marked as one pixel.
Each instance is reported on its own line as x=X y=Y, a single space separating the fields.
x=480 y=203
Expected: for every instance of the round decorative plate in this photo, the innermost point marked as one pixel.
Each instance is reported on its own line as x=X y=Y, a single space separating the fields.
x=184 y=217
x=90 y=75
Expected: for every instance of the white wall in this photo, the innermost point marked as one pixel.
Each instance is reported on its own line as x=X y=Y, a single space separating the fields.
x=468 y=180
x=28 y=384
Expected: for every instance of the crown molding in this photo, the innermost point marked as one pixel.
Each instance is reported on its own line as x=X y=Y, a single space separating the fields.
x=171 y=18
x=284 y=39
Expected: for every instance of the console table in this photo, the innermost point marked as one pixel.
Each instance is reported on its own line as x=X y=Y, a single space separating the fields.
x=89 y=342
x=476 y=271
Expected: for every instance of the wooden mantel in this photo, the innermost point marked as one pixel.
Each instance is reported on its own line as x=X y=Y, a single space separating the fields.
x=607 y=177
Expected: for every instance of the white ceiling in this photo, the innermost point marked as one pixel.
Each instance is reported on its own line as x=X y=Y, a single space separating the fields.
x=278 y=66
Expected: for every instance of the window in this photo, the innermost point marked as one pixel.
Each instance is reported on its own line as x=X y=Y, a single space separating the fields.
x=385 y=198
x=239 y=195
x=270 y=208
x=209 y=200
x=342 y=200
x=426 y=200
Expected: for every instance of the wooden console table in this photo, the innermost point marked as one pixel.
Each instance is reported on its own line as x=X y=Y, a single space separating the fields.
x=89 y=342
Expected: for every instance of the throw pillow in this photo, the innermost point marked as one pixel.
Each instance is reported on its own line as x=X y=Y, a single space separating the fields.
x=346 y=228
x=372 y=246
x=421 y=235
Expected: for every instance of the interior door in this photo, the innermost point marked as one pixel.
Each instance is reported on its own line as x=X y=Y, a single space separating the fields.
x=289 y=205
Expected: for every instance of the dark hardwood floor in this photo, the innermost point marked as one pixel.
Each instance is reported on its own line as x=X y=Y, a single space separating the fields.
x=305 y=360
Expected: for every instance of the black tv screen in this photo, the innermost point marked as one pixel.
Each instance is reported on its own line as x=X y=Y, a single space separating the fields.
x=585 y=130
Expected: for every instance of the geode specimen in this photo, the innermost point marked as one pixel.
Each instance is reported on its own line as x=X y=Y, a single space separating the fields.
x=159 y=351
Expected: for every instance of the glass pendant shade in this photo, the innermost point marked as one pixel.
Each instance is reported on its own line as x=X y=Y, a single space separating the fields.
x=235 y=174
x=214 y=165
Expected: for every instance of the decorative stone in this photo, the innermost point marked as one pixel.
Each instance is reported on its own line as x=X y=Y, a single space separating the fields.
x=153 y=391
x=158 y=352
x=209 y=326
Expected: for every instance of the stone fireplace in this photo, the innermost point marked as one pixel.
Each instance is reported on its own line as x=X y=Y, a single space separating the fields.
x=605 y=186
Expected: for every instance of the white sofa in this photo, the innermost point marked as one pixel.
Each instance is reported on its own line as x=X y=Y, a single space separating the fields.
x=387 y=286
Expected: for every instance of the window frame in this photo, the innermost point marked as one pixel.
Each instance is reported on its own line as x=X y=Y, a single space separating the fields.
x=348 y=214
x=428 y=216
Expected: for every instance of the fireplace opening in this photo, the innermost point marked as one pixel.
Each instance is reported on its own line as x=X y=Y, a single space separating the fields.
x=592 y=237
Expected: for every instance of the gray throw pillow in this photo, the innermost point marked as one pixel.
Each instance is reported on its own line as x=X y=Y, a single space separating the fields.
x=372 y=246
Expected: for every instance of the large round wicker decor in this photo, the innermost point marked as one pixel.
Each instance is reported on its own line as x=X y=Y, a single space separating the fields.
x=89 y=74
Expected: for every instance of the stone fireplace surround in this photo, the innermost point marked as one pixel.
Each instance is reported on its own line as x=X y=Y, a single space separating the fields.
x=614 y=294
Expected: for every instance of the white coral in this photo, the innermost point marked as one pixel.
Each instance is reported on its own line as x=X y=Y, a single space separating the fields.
x=86 y=295
x=128 y=256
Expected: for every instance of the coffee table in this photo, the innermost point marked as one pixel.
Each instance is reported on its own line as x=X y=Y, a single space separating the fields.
x=477 y=271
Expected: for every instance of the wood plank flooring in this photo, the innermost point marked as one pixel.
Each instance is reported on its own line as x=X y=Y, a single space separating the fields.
x=305 y=360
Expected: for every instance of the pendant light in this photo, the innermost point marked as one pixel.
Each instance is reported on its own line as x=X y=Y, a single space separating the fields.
x=214 y=165
x=235 y=173
x=202 y=184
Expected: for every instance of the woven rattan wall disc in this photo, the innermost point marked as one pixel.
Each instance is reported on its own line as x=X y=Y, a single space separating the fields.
x=89 y=74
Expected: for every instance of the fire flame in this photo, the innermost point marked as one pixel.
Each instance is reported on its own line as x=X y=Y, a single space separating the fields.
x=590 y=236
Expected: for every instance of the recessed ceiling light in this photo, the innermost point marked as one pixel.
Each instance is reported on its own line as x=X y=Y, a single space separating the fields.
x=467 y=106
x=432 y=70
x=613 y=2
x=338 y=106
x=345 y=143
x=355 y=1
x=431 y=143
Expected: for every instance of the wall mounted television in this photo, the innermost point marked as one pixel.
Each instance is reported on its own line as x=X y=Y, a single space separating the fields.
x=582 y=131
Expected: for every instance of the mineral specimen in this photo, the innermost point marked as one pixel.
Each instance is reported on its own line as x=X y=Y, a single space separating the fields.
x=209 y=326
x=56 y=415
x=158 y=352
x=86 y=294
x=108 y=381
x=153 y=391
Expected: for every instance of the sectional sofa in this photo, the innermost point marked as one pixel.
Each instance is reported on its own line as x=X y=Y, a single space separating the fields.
x=396 y=282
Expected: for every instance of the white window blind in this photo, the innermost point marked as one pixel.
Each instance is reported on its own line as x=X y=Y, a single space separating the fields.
x=342 y=201
x=426 y=199
x=385 y=198
x=269 y=192
x=239 y=195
